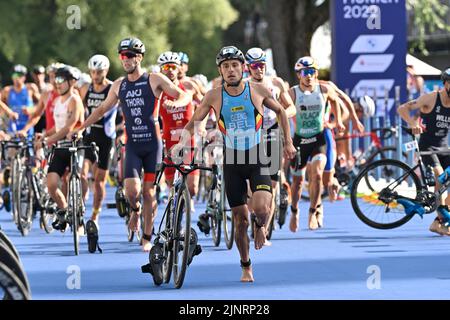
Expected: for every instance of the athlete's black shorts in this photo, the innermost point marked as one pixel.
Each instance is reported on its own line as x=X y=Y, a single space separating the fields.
x=434 y=160
x=236 y=175
x=104 y=144
x=142 y=155
x=309 y=147
x=61 y=160
x=272 y=140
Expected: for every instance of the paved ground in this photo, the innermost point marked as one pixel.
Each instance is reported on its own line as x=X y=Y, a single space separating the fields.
x=344 y=260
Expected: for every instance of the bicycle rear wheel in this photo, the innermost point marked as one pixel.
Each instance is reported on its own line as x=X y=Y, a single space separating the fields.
x=24 y=198
x=227 y=218
x=182 y=235
x=386 y=177
x=12 y=286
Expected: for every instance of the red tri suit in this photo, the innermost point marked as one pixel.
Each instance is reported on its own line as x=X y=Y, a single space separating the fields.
x=173 y=123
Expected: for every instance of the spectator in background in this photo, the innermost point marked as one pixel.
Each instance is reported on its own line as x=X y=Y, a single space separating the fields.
x=415 y=83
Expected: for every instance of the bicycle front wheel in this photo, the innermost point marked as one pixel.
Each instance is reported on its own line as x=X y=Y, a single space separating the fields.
x=215 y=216
x=13 y=263
x=168 y=246
x=182 y=235
x=388 y=177
x=73 y=212
x=15 y=173
x=227 y=218
x=11 y=285
x=5 y=240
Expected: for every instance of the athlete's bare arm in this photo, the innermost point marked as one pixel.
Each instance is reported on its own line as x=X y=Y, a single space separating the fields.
x=160 y=83
x=5 y=94
x=83 y=91
x=211 y=99
x=5 y=109
x=271 y=103
x=424 y=103
x=285 y=98
x=332 y=97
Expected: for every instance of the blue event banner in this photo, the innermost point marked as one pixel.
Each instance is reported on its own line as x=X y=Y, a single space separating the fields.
x=369 y=49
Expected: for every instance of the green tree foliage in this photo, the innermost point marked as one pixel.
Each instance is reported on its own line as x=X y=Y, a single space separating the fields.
x=36 y=31
x=428 y=16
x=197 y=30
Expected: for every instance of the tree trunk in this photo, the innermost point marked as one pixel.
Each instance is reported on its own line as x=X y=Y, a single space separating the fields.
x=291 y=26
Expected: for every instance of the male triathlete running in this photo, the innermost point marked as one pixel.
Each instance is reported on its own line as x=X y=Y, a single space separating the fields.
x=311 y=100
x=239 y=107
x=137 y=93
x=102 y=133
x=435 y=115
x=256 y=62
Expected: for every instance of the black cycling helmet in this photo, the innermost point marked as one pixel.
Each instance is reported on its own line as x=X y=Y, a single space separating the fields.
x=229 y=53
x=38 y=69
x=445 y=76
x=131 y=44
x=68 y=73
x=20 y=69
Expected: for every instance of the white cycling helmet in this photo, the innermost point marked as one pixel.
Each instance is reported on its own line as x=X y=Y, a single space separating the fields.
x=54 y=66
x=83 y=80
x=202 y=78
x=169 y=57
x=368 y=105
x=98 y=62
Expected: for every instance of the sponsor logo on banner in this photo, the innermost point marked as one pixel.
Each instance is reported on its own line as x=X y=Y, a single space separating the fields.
x=368 y=86
x=372 y=43
x=372 y=63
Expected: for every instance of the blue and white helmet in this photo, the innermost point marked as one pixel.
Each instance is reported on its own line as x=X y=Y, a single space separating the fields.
x=184 y=58
x=305 y=62
x=255 y=55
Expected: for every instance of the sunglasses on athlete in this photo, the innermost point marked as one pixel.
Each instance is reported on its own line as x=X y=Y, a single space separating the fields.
x=127 y=55
x=60 y=80
x=257 y=65
x=307 y=72
x=168 y=67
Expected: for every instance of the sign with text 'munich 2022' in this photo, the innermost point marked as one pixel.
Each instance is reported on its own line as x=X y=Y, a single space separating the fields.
x=369 y=49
